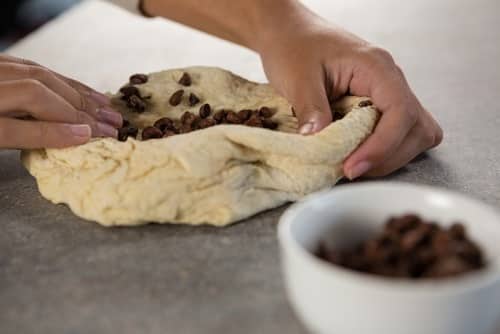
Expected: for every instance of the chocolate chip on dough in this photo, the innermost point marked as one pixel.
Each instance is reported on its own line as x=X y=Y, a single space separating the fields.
x=150 y=132
x=136 y=103
x=205 y=110
x=128 y=91
x=206 y=123
x=265 y=112
x=138 y=79
x=220 y=116
x=169 y=133
x=232 y=117
x=269 y=124
x=185 y=80
x=122 y=134
x=132 y=131
x=254 y=121
x=193 y=100
x=244 y=114
x=188 y=118
x=163 y=124
x=176 y=98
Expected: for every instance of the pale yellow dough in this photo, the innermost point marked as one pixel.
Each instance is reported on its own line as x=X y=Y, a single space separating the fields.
x=215 y=176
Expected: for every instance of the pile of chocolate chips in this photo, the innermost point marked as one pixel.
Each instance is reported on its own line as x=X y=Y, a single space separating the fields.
x=132 y=96
x=206 y=117
x=409 y=247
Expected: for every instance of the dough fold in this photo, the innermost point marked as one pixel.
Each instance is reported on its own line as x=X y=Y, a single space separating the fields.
x=215 y=176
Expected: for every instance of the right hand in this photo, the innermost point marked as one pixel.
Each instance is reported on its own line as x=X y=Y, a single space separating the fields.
x=42 y=109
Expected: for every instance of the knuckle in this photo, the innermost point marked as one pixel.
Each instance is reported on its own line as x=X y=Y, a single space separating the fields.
x=81 y=117
x=375 y=55
x=428 y=138
x=35 y=90
x=37 y=72
x=382 y=54
x=412 y=115
x=438 y=136
x=42 y=132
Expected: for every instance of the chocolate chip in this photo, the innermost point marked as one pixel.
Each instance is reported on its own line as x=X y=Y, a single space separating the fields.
x=448 y=266
x=220 y=116
x=185 y=128
x=137 y=79
x=269 y=124
x=193 y=100
x=336 y=116
x=177 y=126
x=185 y=80
x=412 y=239
x=163 y=124
x=441 y=242
x=205 y=110
x=206 y=123
x=176 y=98
x=188 y=118
x=150 y=132
x=365 y=103
x=169 y=133
x=128 y=91
x=122 y=134
x=244 y=114
x=457 y=231
x=254 y=121
x=136 y=103
x=125 y=123
x=232 y=117
x=132 y=131
x=265 y=112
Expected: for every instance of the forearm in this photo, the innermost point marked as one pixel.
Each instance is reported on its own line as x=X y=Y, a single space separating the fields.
x=245 y=22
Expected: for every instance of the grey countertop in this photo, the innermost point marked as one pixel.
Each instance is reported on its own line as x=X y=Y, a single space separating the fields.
x=60 y=274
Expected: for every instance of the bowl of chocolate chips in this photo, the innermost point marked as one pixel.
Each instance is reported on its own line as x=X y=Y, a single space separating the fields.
x=392 y=258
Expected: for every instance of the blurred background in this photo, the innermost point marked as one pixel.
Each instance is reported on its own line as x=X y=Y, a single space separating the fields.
x=20 y=17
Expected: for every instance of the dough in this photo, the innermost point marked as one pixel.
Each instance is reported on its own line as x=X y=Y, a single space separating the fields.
x=215 y=176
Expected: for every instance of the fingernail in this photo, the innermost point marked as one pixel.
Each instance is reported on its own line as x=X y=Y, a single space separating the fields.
x=110 y=116
x=101 y=99
x=359 y=169
x=106 y=130
x=307 y=128
x=80 y=130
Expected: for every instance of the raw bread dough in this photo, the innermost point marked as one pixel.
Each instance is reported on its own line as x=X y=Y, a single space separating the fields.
x=216 y=175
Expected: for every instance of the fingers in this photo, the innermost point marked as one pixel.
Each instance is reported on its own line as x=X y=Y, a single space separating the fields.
x=424 y=135
x=310 y=102
x=20 y=134
x=96 y=104
x=418 y=140
x=15 y=71
x=400 y=111
x=30 y=97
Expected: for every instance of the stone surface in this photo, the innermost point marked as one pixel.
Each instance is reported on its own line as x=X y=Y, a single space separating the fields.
x=59 y=274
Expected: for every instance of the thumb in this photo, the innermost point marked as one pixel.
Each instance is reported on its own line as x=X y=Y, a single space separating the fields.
x=310 y=103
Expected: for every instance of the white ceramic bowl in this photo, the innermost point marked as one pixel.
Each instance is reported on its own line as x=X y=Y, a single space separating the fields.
x=330 y=299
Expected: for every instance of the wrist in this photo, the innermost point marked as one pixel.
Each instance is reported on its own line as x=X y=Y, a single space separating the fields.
x=277 y=22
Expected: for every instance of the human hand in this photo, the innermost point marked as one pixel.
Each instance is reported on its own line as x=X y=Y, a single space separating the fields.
x=40 y=108
x=312 y=62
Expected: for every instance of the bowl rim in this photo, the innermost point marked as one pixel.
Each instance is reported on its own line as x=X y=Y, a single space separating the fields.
x=473 y=281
